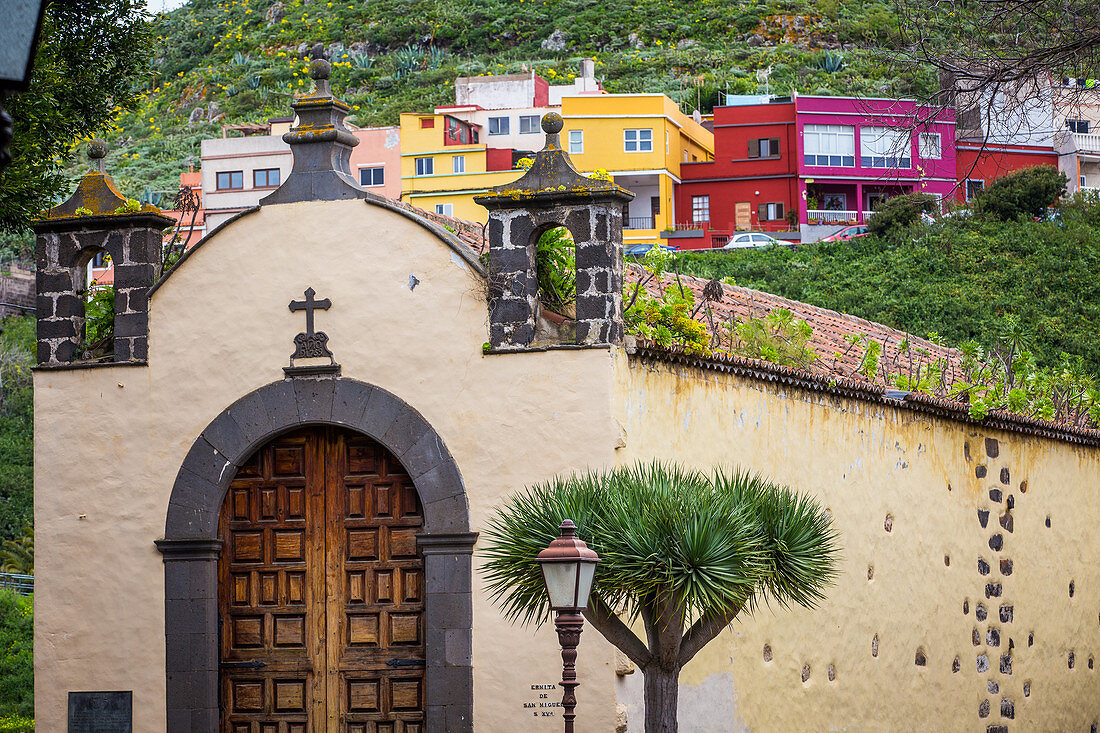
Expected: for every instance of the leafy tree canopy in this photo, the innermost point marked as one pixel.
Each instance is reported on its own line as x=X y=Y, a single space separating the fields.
x=92 y=57
x=1024 y=193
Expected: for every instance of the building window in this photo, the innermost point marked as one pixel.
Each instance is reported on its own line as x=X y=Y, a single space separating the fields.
x=445 y=209
x=266 y=178
x=1079 y=126
x=972 y=189
x=884 y=147
x=771 y=212
x=425 y=166
x=498 y=126
x=375 y=176
x=765 y=147
x=930 y=147
x=700 y=209
x=1083 y=183
x=229 y=180
x=528 y=124
x=458 y=164
x=833 y=145
x=638 y=141
x=576 y=142
x=427 y=123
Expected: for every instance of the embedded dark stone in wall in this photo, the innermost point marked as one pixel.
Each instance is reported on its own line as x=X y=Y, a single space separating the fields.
x=992 y=590
x=1023 y=487
x=1006 y=664
x=1090 y=662
x=1006 y=521
x=966 y=451
x=920 y=660
x=982 y=663
x=1005 y=476
x=1048 y=522
x=983 y=517
x=1006 y=614
x=1027 y=693
x=805 y=672
x=888 y=523
x=832 y=673
x=1071 y=589
x=1030 y=639
x=980 y=471
x=870 y=572
x=992 y=637
x=980 y=612
x=996 y=542
x=966 y=607
x=992 y=448
x=767 y=653
x=995 y=495
x=976 y=637
x=996 y=729
x=992 y=687
x=874 y=646
x=983 y=567
x=955 y=666
x=947 y=560
x=983 y=709
x=1070 y=659
x=1006 y=567
x=1007 y=709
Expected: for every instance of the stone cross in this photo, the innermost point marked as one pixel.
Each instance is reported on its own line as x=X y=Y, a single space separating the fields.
x=310 y=343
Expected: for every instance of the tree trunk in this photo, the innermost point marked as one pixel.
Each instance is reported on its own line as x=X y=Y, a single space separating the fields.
x=661 y=692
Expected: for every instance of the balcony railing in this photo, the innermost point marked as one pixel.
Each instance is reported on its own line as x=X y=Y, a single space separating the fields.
x=21 y=584
x=1087 y=142
x=640 y=222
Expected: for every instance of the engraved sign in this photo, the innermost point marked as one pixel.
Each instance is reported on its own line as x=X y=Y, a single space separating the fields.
x=101 y=712
x=547 y=702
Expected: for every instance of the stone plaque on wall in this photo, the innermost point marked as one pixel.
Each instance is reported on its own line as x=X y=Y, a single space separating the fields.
x=101 y=712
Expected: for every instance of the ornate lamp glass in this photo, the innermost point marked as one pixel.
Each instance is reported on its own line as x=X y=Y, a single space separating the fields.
x=568 y=568
x=18 y=38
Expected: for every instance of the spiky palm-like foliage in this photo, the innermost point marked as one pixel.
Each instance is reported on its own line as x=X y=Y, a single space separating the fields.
x=17 y=555
x=683 y=551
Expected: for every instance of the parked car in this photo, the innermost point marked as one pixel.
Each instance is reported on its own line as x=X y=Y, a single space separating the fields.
x=851 y=232
x=750 y=239
x=641 y=249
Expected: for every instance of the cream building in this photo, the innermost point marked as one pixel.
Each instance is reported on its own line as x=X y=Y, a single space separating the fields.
x=257 y=517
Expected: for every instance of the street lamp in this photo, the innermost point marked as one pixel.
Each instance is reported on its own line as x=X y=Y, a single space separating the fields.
x=18 y=38
x=568 y=568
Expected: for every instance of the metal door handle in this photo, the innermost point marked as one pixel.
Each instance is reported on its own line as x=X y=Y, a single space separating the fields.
x=405 y=663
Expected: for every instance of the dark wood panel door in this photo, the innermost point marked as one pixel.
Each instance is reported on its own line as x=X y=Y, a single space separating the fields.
x=321 y=590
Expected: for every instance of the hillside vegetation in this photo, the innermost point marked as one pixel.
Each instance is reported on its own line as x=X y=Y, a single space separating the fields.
x=960 y=279
x=243 y=60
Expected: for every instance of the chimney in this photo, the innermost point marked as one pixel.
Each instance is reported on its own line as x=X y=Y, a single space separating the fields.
x=552 y=194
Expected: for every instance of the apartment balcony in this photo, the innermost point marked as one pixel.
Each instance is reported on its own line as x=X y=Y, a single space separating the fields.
x=639 y=222
x=1087 y=142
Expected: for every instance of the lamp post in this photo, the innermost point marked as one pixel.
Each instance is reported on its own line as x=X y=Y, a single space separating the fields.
x=568 y=568
x=18 y=38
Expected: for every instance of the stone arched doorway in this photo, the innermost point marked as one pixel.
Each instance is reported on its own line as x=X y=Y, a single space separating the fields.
x=192 y=543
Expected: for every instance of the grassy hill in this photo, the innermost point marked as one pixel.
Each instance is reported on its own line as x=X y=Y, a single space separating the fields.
x=242 y=60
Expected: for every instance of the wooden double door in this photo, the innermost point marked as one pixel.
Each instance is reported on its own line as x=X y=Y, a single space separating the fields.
x=321 y=590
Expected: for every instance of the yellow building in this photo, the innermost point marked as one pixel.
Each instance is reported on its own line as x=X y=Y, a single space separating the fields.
x=641 y=139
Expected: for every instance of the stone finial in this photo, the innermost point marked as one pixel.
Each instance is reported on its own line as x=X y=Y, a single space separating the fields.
x=97 y=152
x=552 y=193
x=321 y=145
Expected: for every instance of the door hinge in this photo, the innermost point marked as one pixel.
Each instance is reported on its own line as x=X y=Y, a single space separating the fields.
x=251 y=664
x=405 y=663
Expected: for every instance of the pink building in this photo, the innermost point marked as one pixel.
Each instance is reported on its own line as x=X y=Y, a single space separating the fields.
x=854 y=153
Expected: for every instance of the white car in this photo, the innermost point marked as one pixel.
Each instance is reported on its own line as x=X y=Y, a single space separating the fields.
x=750 y=239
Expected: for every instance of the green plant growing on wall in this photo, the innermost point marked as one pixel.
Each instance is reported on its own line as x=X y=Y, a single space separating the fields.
x=778 y=337
x=556 y=265
x=99 y=320
x=668 y=319
x=683 y=554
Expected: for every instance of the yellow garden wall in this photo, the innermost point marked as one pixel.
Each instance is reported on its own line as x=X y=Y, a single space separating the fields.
x=865 y=462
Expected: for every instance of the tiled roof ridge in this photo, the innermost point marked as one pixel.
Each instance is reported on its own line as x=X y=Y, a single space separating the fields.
x=919 y=402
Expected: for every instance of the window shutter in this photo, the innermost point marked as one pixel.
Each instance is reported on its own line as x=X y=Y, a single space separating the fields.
x=773 y=146
x=779 y=210
x=754 y=148
x=762 y=212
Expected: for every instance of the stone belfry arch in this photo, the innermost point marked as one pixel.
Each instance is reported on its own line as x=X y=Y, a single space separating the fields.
x=552 y=193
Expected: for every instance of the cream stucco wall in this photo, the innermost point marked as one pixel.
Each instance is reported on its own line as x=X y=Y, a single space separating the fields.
x=109 y=441
x=865 y=462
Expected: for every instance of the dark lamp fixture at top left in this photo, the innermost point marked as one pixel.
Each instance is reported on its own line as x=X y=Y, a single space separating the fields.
x=19 y=28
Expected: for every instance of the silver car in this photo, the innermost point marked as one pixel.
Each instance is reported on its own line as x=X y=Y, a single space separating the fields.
x=750 y=239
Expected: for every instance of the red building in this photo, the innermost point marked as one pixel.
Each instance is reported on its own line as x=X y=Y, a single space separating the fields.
x=977 y=166
x=752 y=181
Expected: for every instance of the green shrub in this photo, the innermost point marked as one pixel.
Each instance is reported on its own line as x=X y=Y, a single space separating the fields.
x=16 y=656
x=1025 y=193
x=901 y=212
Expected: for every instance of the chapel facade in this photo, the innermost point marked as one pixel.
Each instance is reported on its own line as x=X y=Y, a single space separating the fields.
x=258 y=512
